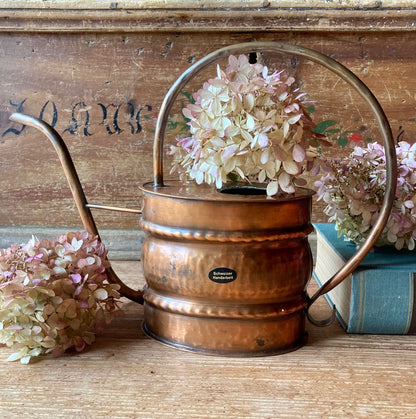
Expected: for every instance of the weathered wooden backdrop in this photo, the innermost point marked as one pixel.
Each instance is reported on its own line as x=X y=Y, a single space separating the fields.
x=98 y=71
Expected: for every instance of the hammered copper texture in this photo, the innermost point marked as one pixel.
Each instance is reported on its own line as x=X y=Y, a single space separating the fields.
x=192 y=231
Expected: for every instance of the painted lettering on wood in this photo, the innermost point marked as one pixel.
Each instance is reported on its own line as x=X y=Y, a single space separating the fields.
x=110 y=121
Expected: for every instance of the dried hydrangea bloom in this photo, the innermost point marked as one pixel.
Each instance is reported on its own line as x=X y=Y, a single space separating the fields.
x=354 y=189
x=247 y=125
x=54 y=295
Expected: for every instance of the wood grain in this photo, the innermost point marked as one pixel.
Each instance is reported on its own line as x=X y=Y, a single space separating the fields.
x=127 y=375
x=218 y=16
x=101 y=84
x=122 y=244
x=202 y=4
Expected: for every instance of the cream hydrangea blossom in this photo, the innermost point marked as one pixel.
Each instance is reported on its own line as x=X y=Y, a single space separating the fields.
x=54 y=294
x=246 y=125
x=353 y=190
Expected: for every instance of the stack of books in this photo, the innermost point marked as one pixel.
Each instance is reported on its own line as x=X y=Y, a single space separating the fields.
x=380 y=296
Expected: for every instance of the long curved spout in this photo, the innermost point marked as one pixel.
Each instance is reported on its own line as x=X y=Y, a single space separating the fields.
x=67 y=165
x=77 y=192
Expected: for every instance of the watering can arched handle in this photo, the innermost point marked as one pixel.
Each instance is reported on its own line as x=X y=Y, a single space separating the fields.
x=78 y=193
x=344 y=74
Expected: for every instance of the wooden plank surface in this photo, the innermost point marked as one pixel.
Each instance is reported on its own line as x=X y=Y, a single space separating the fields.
x=128 y=375
x=122 y=244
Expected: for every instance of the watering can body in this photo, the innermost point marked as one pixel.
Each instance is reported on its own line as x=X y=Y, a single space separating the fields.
x=226 y=273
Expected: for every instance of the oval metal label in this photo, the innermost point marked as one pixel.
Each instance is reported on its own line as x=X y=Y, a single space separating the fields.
x=222 y=275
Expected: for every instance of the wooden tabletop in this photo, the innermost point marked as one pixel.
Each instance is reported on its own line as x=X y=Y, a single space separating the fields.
x=125 y=374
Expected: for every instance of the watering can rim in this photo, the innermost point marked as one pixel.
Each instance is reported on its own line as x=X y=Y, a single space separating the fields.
x=191 y=191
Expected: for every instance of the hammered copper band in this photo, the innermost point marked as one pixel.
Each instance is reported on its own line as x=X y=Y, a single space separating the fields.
x=220 y=236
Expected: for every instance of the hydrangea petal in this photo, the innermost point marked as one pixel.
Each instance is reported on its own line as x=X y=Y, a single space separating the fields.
x=272 y=188
x=263 y=139
x=290 y=167
x=298 y=153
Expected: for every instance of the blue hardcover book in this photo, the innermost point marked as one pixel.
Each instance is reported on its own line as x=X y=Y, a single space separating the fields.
x=378 y=297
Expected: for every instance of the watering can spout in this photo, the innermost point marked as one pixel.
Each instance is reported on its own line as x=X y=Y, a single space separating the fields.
x=78 y=193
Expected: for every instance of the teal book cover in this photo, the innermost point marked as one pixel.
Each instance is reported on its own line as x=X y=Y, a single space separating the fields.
x=382 y=295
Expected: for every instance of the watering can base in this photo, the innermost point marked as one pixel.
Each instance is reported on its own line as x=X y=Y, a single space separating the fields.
x=224 y=336
x=227 y=353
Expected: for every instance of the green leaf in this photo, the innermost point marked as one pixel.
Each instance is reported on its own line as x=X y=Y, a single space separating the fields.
x=368 y=140
x=172 y=125
x=233 y=177
x=311 y=109
x=343 y=140
x=323 y=126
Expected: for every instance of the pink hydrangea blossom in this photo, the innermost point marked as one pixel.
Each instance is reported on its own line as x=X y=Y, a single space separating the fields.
x=353 y=190
x=247 y=124
x=54 y=294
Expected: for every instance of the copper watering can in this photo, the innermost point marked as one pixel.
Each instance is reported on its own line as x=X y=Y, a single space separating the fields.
x=226 y=271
